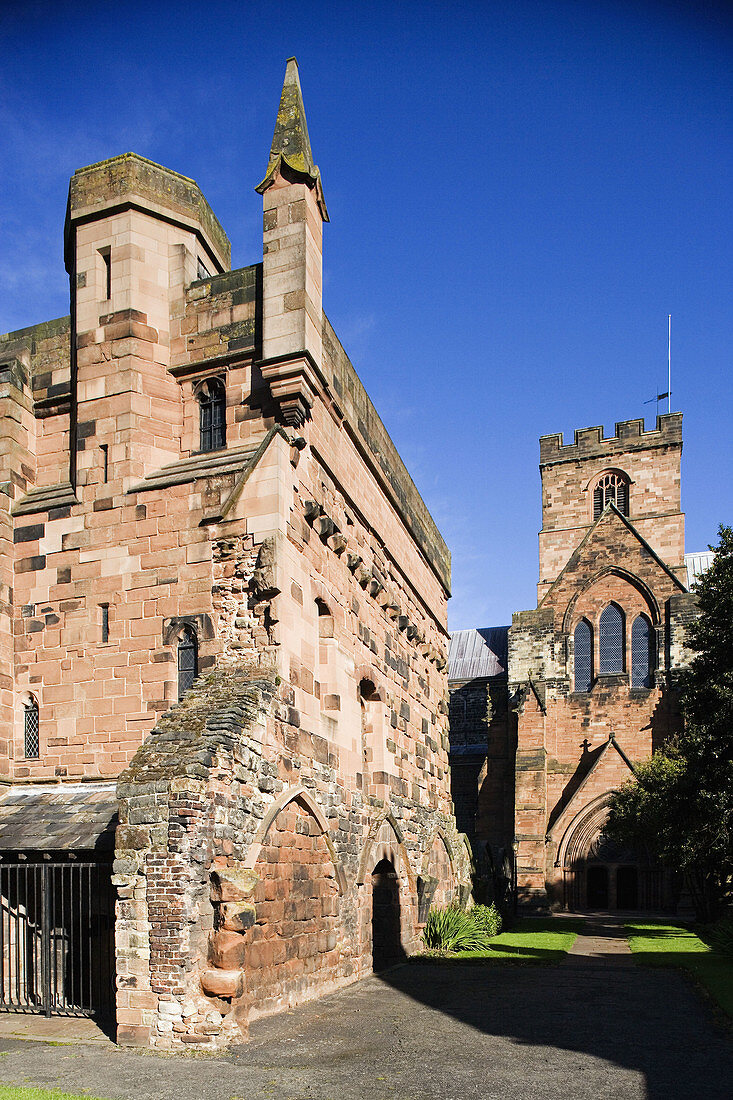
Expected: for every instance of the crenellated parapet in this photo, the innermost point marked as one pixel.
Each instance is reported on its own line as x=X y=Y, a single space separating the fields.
x=630 y=435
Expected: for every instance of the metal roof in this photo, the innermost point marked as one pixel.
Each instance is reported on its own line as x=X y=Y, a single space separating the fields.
x=697 y=564
x=477 y=654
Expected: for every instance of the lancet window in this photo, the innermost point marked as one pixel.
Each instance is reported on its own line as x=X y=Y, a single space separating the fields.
x=611 y=488
x=583 y=656
x=611 y=640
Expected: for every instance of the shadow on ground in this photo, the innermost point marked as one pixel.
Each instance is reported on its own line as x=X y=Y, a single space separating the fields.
x=650 y=1022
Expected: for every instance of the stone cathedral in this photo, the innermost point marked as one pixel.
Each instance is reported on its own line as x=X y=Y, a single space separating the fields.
x=223 y=642
x=549 y=715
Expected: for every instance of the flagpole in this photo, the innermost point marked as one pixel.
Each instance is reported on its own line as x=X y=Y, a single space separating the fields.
x=669 y=364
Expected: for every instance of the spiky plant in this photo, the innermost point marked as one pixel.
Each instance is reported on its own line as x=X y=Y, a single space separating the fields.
x=452 y=929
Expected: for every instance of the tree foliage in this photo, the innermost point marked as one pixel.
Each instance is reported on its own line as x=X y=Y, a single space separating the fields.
x=680 y=803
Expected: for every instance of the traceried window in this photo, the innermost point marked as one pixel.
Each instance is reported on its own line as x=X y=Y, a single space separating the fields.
x=583 y=656
x=641 y=652
x=212 y=415
x=611 y=640
x=611 y=488
x=30 y=730
x=188 y=660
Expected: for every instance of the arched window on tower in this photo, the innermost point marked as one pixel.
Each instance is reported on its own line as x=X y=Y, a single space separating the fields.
x=188 y=660
x=31 y=739
x=611 y=640
x=583 y=655
x=212 y=415
x=611 y=488
x=641 y=652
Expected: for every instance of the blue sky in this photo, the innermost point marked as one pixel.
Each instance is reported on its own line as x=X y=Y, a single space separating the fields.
x=520 y=193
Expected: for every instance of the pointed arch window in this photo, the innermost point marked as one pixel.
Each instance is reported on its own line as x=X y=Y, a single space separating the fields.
x=188 y=660
x=611 y=488
x=611 y=640
x=641 y=652
x=212 y=415
x=583 y=655
x=31 y=738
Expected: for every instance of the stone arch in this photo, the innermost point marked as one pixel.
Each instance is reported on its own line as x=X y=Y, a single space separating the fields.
x=307 y=801
x=582 y=830
x=436 y=883
x=296 y=903
x=643 y=589
x=600 y=874
x=438 y=834
x=386 y=841
x=595 y=478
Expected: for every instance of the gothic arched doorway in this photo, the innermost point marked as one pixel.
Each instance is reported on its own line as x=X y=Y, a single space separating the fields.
x=386 y=923
x=599 y=873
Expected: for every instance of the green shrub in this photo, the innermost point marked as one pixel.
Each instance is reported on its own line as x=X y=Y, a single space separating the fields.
x=487 y=918
x=453 y=929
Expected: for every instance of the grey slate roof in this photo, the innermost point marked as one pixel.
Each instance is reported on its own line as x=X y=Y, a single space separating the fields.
x=62 y=816
x=477 y=654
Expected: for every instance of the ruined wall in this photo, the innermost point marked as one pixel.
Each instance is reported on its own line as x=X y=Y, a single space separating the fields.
x=243 y=877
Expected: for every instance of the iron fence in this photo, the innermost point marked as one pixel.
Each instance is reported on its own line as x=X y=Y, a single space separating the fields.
x=57 y=938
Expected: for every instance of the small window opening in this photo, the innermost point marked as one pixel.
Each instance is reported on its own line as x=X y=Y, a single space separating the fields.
x=31 y=725
x=611 y=489
x=202 y=271
x=212 y=415
x=105 y=621
x=105 y=462
x=187 y=660
x=106 y=272
x=611 y=640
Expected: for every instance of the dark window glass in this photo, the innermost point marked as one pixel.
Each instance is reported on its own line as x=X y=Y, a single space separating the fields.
x=611 y=489
x=212 y=416
x=31 y=731
x=583 y=649
x=641 y=652
x=105 y=622
x=187 y=661
x=611 y=640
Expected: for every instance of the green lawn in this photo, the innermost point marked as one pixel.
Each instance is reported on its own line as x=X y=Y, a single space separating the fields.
x=529 y=940
x=10 y=1092
x=657 y=943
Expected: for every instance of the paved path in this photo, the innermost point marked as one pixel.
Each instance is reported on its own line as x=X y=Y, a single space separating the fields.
x=602 y=943
x=436 y=1032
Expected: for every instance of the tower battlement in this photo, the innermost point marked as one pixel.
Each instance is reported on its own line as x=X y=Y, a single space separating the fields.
x=629 y=436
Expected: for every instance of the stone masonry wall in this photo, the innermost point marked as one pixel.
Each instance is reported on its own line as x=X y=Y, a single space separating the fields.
x=651 y=461
x=563 y=762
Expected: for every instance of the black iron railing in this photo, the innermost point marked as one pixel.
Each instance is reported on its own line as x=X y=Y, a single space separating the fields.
x=56 y=938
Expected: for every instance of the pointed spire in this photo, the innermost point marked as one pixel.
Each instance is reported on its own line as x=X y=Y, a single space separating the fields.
x=290 y=153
